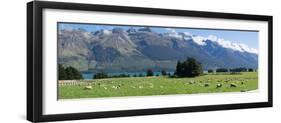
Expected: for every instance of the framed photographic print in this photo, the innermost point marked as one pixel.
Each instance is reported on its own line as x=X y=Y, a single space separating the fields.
x=96 y=61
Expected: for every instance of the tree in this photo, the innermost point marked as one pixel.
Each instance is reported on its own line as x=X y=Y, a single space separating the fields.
x=100 y=75
x=169 y=74
x=250 y=70
x=62 y=74
x=69 y=73
x=179 y=69
x=149 y=72
x=163 y=72
x=72 y=73
x=194 y=68
x=222 y=70
x=141 y=75
x=189 y=68
x=240 y=69
x=210 y=71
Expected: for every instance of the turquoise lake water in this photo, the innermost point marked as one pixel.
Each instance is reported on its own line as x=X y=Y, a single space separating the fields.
x=90 y=75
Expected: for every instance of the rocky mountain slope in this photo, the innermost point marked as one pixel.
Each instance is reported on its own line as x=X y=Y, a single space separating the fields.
x=135 y=50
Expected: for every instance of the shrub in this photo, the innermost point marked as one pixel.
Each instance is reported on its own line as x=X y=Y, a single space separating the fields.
x=222 y=70
x=163 y=72
x=240 y=69
x=210 y=71
x=149 y=72
x=250 y=70
x=100 y=75
x=141 y=75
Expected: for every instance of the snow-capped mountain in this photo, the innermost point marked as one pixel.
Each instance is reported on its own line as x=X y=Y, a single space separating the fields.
x=139 y=49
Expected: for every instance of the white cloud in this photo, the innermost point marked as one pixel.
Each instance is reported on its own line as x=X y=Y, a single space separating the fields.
x=171 y=30
x=248 y=49
x=187 y=33
x=107 y=32
x=235 y=46
x=212 y=37
x=173 y=33
x=199 y=40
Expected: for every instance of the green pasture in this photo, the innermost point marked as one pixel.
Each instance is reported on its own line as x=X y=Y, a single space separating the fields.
x=161 y=85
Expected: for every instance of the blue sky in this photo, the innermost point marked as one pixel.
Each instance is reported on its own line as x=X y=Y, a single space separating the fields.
x=249 y=38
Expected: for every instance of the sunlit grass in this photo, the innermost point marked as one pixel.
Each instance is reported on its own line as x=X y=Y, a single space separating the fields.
x=145 y=86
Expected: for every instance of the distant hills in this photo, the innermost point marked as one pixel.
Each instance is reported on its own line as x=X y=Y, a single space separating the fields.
x=136 y=50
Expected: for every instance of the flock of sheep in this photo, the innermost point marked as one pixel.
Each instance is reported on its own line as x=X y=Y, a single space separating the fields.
x=204 y=83
x=231 y=83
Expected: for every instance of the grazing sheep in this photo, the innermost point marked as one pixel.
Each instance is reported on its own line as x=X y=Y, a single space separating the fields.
x=219 y=85
x=119 y=86
x=151 y=85
x=206 y=84
x=140 y=86
x=88 y=87
x=191 y=82
x=233 y=85
x=243 y=90
x=114 y=87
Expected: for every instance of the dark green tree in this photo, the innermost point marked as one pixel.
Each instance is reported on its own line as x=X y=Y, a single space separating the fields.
x=100 y=75
x=179 y=69
x=169 y=74
x=250 y=70
x=189 y=68
x=210 y=71
x=72 y=73
x=240 y=69
x=164 y=72
x=141 y=75
x=62 y=74
x=149 y=72
x=68 y=73
x=222 y=70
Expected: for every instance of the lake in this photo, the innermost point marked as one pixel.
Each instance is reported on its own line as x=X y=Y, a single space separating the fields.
x=89 y=75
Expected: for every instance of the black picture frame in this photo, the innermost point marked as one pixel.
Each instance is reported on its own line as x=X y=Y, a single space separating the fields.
x=35 y=69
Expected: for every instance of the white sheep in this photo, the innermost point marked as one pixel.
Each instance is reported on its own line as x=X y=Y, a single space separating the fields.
x=233 y=85
x=206 y=84
x=219 y=85
x=88 y=87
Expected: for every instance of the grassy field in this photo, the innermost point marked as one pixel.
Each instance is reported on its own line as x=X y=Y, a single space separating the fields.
x=144 y=86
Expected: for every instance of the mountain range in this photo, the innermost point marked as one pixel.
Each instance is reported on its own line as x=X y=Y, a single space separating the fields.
x=135 y=50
